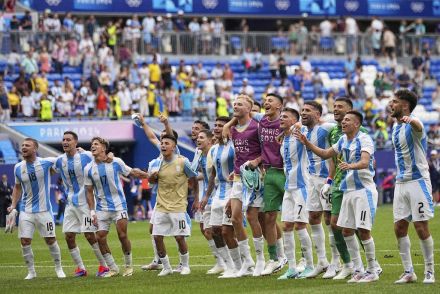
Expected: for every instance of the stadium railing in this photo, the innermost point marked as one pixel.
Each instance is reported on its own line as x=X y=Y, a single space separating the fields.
x=234 y=43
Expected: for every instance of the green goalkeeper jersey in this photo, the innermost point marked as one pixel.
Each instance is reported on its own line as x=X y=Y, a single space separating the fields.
x=334 y=135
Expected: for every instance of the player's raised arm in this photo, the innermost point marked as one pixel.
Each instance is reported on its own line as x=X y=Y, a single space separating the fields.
x=323 y=153
x=168 y=129
x=414 y=123
x=226 y=133
x=148 y=131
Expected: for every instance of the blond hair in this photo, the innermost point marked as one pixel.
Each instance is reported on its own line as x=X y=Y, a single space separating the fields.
x=247 y=98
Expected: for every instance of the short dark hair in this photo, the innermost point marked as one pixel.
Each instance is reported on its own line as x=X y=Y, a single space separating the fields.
x=207 y=132
x=103 y=142
x=74 y=135
x=409 y=96
x=204 y=124
x=357 y=114
x=276 y=96
x=346 y=100
x=258 y=104
x=175 y=134
x=32 y=140
x=315 y=105
x=172 y=138
x=292 y=111
x=224 y=119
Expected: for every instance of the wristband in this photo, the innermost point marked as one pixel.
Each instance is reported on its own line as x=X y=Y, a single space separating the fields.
x=329 y=181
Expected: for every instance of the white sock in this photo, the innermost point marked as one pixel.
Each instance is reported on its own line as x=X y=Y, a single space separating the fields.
x=404 y=245
x=306 y=246
x=318 y=237
x=110 y=262
x=280 y=249
x=184 y=259
x=156 y=256
x=76 y=256
x=28 y=256
x=224 y=255
x=332 y=241
x=289 y=249
x=214 y=250
x=353 y=249
x=98 y=254
x=427 y=246
x=128 y=259
x=259 y=248
x=245 y=251
x=165 y=262
x=236 y=257
x=370 y=253
x=56 y=254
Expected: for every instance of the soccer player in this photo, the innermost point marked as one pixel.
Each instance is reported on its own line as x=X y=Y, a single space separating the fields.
x=319 y=171
x=32 y=183
x=274 y=179
x=170 y=217
x=77 y=219
x=293 y=213
x=221 y=157
x=204 y=143
x=247 y=152
x=359 y=201
x=103 y=183
x=412 y=195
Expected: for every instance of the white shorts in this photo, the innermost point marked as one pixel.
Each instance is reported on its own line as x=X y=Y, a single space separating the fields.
x=413 y=201
x=315 y=202
x=43 y=221
x=248 y=197
x=152 y=215
x=105 y=218
x=218 y=213
x=206 y=217
x=358 y=209
x=77 y=220
x=171 y=224
x=294 y=209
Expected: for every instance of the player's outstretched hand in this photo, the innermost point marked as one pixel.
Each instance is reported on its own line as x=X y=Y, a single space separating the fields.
x=406 y=119
x=325 y=191
x=11 y=220
x=344 y=166
x=195 y=206
x=163 y=119
x=203 y=203
x=300 y=136
x=228 y=209
x=110 y=157
x=94 y=217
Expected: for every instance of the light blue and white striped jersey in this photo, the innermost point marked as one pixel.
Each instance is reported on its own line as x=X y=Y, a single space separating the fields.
x=34 y=179
x=410 y=155
x=72 y=173
x=154 y=166
x=222 y=158
x=351 y=151
x=295 y=162
x=104 y=177
x=318 y=136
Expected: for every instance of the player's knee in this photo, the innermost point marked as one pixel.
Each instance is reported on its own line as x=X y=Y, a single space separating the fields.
x=217 y=231
x=91 y=238
x=226 y=233
x=25 y=241
x=122 y=236
x=422 y=229
x=50 y=240
x=364 y=234
x=70 y=240
x=236 y=221
x=347 y=232
x=288 y=227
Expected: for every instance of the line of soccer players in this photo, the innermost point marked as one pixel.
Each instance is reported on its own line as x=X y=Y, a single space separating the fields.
x=244 y=172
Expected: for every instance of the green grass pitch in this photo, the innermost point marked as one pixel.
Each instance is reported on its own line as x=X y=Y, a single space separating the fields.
x=13 y=270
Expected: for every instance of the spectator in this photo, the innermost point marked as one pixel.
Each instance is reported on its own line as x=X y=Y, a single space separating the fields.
x=351 y=32
x=148 y=26
x=206 y=32
x=58 y=56
x=417 y=61
x=404 y=79
x=5 y=198
x=258 y=59
x=228 y=76
x=14 y=59
x=5 y=114
x=72 y=51
x=435 y=96
x=317 y=83
x=151 y=98
x=29 y=64
x=302 y=37
x=68 y=23
x=86 y=42
x=13 y=98
x=45 y=60
x=389 y=42
x=111 y=34
x=125 y=101
x=155 y=72
x=91 y=26
x=246 y=88
x=388 y=185
x=27 y=104
x=293 y=38
x=187 y=98
x=115 y=106
x=174 y=103
x=101 y=103
x=376 y=24
x=217 y=73
x=14 y=26
x=349 y=65
x=26 y=21
x=46 y=109
x=180 y=23
x=217 y=31
x=94 y=81
x=434 y=174
x=135 y=27
x=90 y=101
x=273 y=63
x=376 y=37
x=247 y=60
x=326 y=28
x=125 y=55
x=306 y=68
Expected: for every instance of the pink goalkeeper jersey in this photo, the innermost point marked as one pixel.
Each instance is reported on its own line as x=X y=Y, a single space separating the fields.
x=246 y=144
